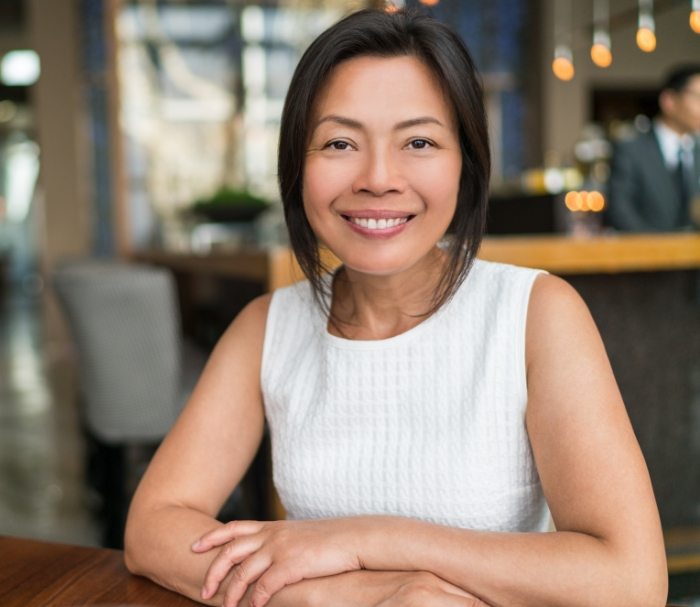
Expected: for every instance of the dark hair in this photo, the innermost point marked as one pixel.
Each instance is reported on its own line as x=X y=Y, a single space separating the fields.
x=383 y=34
x=677 y=79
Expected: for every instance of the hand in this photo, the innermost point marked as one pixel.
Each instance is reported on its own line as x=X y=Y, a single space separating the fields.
x=371 y=589
x=272 y=555
x=422 y=588
x=294 y=595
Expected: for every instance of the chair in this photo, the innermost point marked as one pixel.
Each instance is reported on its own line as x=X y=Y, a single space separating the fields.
x=135 y=373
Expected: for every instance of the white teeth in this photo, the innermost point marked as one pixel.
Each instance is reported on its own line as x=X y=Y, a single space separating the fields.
x=378 y=224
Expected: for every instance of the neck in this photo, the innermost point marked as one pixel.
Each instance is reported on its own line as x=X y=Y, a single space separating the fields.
x=379 y=307
x=674 y=126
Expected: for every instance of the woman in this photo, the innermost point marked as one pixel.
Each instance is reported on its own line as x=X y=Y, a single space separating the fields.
x=425 y=408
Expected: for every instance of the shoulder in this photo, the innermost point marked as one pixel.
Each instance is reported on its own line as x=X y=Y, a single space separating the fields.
x=635 y=144
x=249 y=325
x=553 y=294
x=553 y=302
x=255 y=312
x=635 y=138
x=558 y=322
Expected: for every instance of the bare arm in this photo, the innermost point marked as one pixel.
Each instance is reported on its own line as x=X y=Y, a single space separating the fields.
x=200 y=462
x=608 y=547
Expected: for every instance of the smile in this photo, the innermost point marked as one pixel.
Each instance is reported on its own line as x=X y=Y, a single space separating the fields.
x=370 y=223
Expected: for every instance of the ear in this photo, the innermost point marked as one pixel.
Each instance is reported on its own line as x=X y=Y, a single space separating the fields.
x=667 y=101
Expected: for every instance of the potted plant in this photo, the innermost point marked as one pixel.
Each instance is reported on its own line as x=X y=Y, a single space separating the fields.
x=230 y=205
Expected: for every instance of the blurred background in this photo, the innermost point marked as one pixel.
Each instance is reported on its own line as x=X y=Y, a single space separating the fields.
x=144 y=133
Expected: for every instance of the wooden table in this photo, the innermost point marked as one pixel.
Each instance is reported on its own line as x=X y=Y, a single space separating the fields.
x=42 y=574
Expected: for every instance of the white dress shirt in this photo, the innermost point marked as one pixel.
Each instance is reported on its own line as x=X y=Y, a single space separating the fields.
x=671 y=142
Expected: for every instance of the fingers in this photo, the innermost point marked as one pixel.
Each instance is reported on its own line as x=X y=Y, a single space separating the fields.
x=226 y=533
x=453 y=600
x=426 y=589
x=271 y=582
x=233 y=553
x=434 y=599
x=242 y=577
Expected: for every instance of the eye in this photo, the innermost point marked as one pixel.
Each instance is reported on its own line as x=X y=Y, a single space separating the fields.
x=338 y=145
x=420 y=144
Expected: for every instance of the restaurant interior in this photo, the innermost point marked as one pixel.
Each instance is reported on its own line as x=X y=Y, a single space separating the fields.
x=142 y=135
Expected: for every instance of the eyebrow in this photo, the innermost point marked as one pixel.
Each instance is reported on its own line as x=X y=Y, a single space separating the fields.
x=354 y=124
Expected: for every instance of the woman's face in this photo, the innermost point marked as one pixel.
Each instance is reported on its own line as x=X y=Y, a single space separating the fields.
x=383 y=164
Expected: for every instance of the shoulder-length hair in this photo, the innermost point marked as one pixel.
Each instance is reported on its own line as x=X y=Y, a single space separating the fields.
x=383 y=34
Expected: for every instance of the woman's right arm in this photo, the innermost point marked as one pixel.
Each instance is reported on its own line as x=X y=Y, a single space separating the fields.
x=200 y=462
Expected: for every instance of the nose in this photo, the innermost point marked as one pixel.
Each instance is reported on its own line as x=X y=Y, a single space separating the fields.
x=379 y=174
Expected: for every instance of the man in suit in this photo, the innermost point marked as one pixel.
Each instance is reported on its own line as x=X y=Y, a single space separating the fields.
x=655 y=177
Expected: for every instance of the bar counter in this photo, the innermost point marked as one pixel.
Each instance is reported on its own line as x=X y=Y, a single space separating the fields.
x=276 y=267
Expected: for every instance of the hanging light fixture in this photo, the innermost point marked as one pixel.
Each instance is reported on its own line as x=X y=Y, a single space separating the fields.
x=429 y=2
x=601 y=53
x=646 y=28
x=563 y=63
x=695 y=16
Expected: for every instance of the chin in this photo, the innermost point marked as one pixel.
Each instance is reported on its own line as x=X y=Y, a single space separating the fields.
x=384 y=267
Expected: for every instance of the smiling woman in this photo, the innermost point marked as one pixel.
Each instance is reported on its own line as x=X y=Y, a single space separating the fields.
x=447 y=83
x=382 y=168
x=426 y=410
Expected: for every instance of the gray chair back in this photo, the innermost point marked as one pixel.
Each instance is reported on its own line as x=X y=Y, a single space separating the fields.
x=125 y=323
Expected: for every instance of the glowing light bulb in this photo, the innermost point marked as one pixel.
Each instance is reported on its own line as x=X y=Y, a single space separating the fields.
x=596 y=202
x=429 y=2
x=646 y=26
x=573 y=201
x=646 y=39
x=601 y=49
x=563 y=64
x=601 y=55
x=695 y=21
x=563 y=69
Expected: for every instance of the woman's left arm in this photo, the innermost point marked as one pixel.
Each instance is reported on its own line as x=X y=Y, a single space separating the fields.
x=607 y=549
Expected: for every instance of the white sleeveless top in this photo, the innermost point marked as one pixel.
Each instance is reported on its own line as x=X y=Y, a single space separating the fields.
x=429 y=424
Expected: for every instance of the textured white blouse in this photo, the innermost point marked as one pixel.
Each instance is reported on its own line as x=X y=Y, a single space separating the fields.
x=429 y=424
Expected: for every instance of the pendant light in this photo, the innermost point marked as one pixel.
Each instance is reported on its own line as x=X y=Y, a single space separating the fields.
x=695 y=16
x=646 y=28
x=601 y=52
x=563 y=63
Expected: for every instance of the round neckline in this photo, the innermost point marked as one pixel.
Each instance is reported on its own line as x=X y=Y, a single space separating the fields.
x=373 y=344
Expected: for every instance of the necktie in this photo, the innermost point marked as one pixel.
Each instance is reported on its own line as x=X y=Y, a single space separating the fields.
x=683 y=190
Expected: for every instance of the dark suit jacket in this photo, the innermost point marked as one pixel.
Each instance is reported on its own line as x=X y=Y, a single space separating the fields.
x=642 y=193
